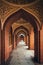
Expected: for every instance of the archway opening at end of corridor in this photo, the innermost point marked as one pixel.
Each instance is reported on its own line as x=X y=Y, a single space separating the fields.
x=21 y=39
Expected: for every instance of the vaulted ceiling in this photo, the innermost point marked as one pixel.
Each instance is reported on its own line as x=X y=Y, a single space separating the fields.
x=8 y=7
x=22 y=22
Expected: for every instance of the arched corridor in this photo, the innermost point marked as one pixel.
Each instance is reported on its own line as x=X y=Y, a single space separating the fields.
x=10 y=38
x=21 y=55
x=21 y=33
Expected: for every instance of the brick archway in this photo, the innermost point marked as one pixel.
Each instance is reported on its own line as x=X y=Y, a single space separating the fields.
x=26 y=32
x=5 y=33
x=17 y=37
x=23 y=32
x=21 y=28
x=26 y=37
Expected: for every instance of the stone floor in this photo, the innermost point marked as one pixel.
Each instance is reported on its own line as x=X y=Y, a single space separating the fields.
x=22 y=56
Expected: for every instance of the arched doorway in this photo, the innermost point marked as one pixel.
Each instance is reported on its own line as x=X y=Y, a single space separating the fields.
x=22 y=29
x=21 y=35
x=20 y=38
x=29 y=18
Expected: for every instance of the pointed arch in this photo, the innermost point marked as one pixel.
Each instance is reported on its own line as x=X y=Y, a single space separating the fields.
x=10 y=20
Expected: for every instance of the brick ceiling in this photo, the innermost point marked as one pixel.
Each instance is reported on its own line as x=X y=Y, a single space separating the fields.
x=6 y=9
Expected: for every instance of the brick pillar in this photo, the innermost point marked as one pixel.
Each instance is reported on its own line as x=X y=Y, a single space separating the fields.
x=12 y=41
x=37 y=46
x=41 y=45
x=0 y=42
x=28 y=41
x=32 y=40
x=18 y=40
x=5 y=46
x=25 y=39
x=15 y=41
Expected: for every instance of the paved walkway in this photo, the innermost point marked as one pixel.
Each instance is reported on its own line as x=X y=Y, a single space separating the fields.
x=22 y=56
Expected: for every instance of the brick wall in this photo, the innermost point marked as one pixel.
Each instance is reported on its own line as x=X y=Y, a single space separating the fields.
x=0 y=42
x=41 y=45
x=32 y=40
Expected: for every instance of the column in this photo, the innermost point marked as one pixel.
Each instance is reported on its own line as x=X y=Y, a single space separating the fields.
x=10 y=40
x=32 y=40
x=37 y=45
x=28 y=41
x=0 y=42
x=41 y=45
x=25 y=39
x=15 y=41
